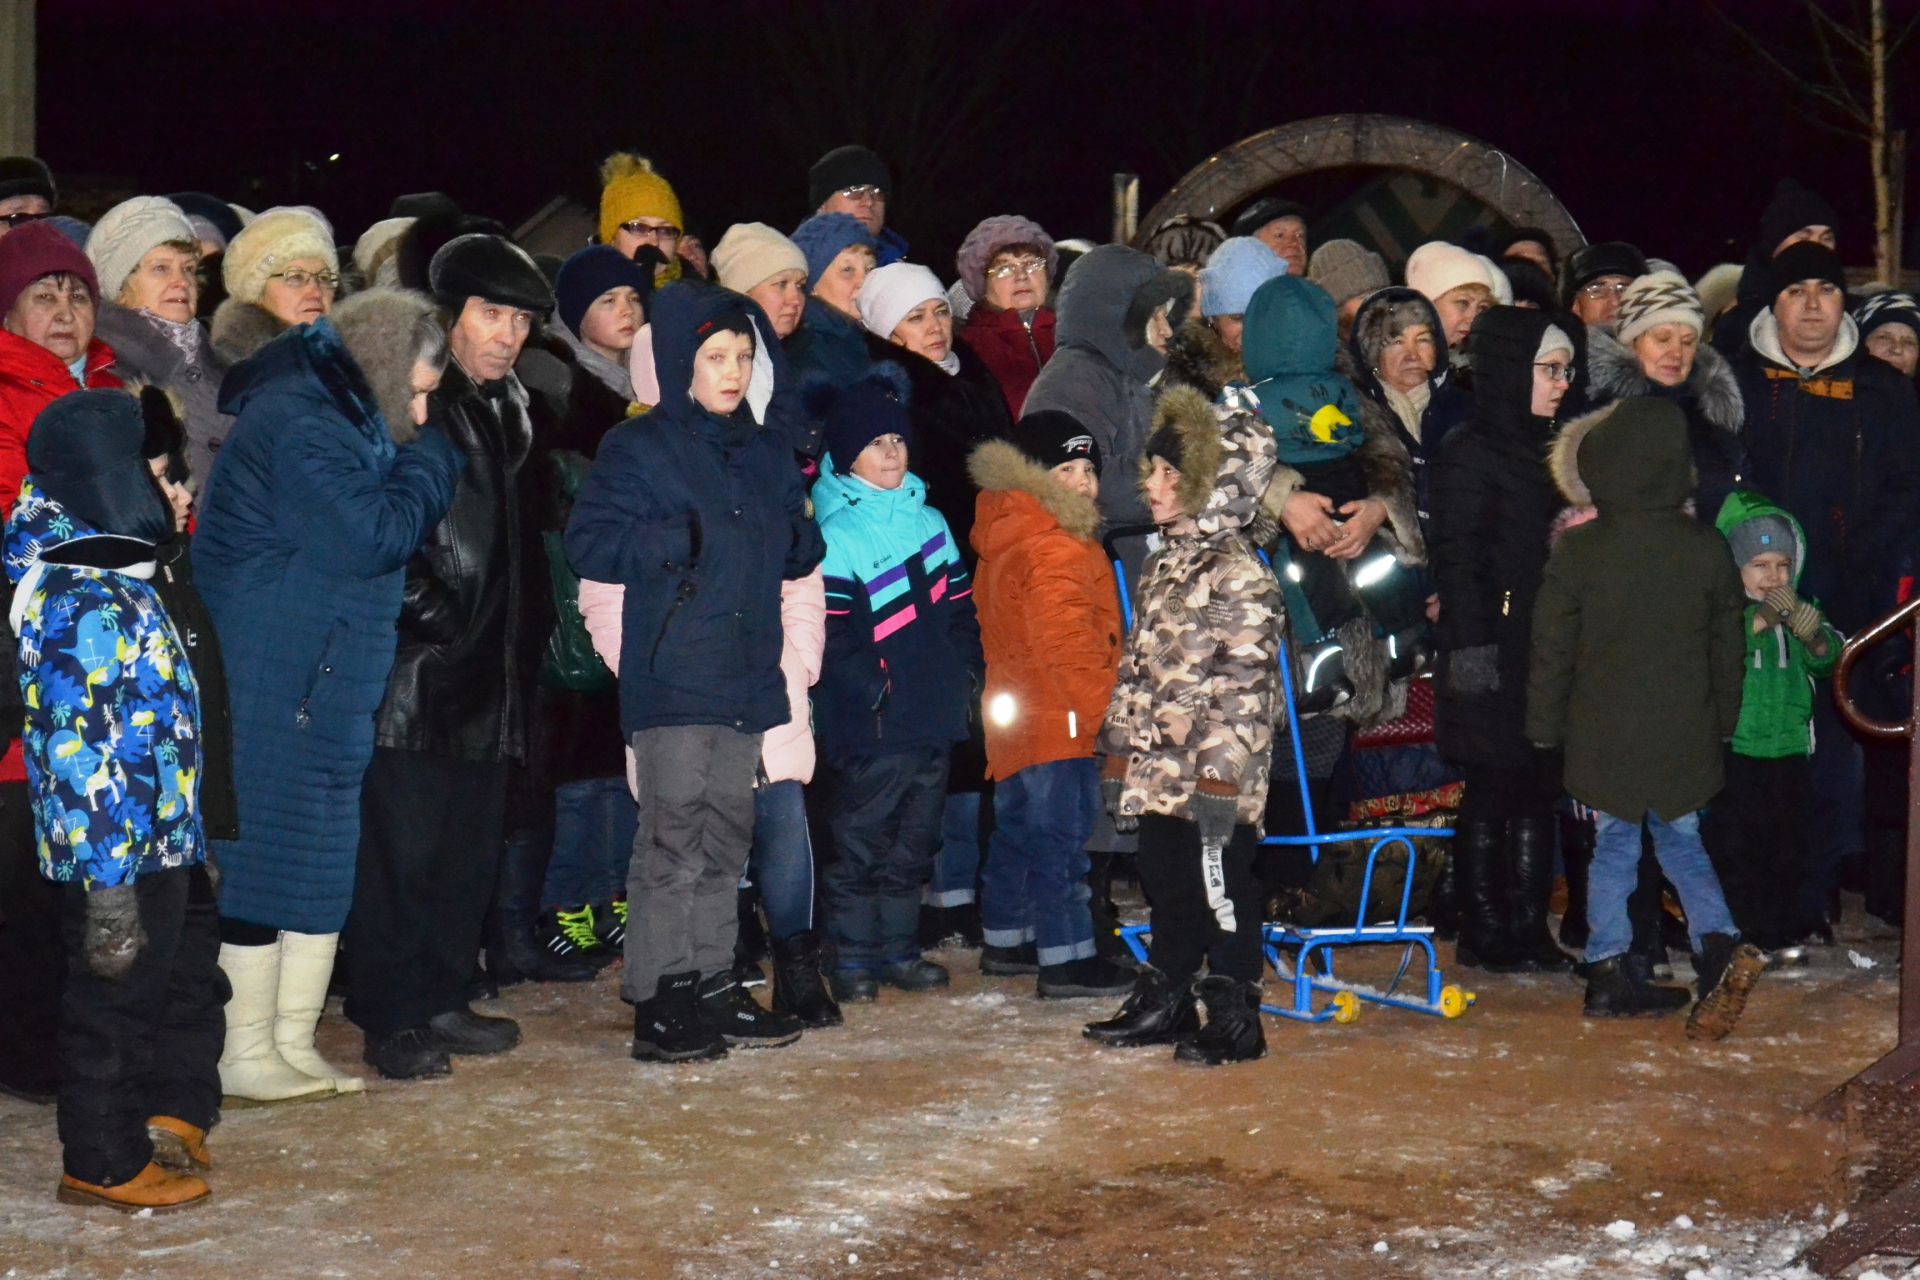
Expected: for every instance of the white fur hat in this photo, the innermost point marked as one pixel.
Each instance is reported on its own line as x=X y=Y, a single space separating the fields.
x=1437 y=266
x=268 y=243
x=128 y=232
x=892 y=291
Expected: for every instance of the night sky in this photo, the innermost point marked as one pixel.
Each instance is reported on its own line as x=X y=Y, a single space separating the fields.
x=1651 y=122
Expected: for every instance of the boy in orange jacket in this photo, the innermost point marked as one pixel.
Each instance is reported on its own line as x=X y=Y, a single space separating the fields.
x=1050 y=625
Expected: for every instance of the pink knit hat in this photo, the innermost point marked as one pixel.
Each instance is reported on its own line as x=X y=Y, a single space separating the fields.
x=1002 y=231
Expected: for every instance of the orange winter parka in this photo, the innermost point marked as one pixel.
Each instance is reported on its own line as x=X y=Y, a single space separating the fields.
x=1049 y=612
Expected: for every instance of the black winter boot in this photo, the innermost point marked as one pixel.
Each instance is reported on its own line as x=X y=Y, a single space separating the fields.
x=669 y=1028
x=1576 y=852
x=1443 y=908
x=798 y=988
x=728 y=1008
x=1614 y=990
x=1530 y=843
x=1160 y=1011
x=1479 y=856
x=1232 y=1032
x=514 y=953
x=1093 y=976
x=1009 y=962
x=1727 y=969
x=919 y=974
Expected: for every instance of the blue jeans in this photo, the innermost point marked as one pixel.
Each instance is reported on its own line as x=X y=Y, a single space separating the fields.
x=593 y=828
x=1616 y=870
x=782 y=861
x=1035 y=885
x=957 y=866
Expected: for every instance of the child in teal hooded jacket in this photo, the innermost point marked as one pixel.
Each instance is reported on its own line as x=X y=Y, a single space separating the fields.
x=1756 y=831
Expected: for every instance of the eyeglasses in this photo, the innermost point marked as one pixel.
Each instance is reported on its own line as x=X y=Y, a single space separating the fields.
x=1018 y=267
x=1601 y=289
x=647 y=231
x=21 y=219
x=1556 y=371
x=298 y=280
x=860 y=195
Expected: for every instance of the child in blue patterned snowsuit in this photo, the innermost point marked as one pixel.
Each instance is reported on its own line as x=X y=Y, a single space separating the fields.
x=112 y=747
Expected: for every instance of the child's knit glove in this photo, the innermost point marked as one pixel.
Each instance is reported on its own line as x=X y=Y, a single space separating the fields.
x=1215 y=815
x=114 y=937
x=1796 y=615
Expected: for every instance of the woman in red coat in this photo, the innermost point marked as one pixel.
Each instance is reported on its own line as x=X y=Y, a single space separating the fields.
x=1005 y=264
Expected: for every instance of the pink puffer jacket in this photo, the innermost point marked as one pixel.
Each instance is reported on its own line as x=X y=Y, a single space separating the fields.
x=787 y=750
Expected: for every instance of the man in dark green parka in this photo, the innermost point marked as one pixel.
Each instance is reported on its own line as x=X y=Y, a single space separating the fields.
x=1636 y=673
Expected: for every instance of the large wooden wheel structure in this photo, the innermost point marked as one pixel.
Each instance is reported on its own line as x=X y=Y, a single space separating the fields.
x=1222 y=182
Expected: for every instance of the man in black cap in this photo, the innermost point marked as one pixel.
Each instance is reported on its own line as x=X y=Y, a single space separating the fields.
x=1596 y=277
x=1831 y=436
x=27 y=193
x=1281 y=225
x=853 y=180
x=1796 y=213
x=433 y=805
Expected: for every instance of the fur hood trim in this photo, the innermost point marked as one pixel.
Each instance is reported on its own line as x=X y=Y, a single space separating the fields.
x=377 y=327
x=240 y=329
x=1563 y=456
x=1198 y=358
x=996 y=466
x=1189 y=415
x=1613 y=373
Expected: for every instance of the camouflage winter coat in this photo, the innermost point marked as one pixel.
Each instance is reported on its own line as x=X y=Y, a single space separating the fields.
x=1198 y=684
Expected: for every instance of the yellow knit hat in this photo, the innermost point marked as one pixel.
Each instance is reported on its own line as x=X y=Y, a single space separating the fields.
x=631 y=189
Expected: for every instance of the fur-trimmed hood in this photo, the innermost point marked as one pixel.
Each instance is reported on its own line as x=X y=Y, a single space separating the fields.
x=377 y=326
x=1642 y=463
x=1613 y=373
x=1227 y=462
x=1199 y=358
x=239 y=329
x=1019 y=498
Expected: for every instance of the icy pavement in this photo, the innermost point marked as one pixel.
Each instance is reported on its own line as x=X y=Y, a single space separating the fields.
x=974 y=1134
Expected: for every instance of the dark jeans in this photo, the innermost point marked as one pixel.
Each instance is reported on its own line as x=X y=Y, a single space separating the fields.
x=431 y=834
x=1836 y=805
x=147 y=1044
x=886 y=815
x=1189 y=918
x=1756 y=833
x=593 y=825
x=1035 y=886
x=33 y=967
x=782 y=862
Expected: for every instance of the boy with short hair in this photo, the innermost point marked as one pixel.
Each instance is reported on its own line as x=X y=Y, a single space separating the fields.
x=1756 y=832
x=1636 y=673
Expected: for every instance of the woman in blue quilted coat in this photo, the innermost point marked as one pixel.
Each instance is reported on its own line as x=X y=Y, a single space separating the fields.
x=326 y=485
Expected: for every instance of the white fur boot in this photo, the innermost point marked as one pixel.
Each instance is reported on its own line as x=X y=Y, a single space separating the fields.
x=306 y=963
x=251 y=1068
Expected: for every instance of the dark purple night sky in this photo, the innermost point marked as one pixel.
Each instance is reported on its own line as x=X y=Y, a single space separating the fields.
x=1651 y=122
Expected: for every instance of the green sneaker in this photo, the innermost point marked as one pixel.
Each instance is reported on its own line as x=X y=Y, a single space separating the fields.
x=571 y=933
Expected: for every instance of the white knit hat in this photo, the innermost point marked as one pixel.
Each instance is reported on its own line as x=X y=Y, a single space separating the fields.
x=1657 y=298
x=268 y=243
x=892 y=291
x=376 y=254
x=1497 y=281
x=128 y=232
x=1437 y=266
x=1553 y=339
x=752 y=253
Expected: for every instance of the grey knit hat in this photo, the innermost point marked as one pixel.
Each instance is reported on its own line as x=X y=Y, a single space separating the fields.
x=1765 y=533
x=1347 y=269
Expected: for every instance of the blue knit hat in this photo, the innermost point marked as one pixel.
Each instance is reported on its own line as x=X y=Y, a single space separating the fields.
x=1236 y=269
x=824 y=235
x=859 y=414
x=590 y=273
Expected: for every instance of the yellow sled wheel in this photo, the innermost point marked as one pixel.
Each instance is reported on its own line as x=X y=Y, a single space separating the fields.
x=1454 y=1001
x=1346 y=1007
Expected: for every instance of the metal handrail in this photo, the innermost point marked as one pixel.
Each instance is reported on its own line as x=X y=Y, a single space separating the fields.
x=1850 y=652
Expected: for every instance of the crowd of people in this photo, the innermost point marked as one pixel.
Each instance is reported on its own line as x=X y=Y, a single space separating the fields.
x=414 y=616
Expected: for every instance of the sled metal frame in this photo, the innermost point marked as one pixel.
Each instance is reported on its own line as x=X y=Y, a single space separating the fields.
x=1318 y=944
x=1891 y=1224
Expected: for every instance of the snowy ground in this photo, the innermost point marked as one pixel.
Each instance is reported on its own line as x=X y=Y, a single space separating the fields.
x=975 y=1135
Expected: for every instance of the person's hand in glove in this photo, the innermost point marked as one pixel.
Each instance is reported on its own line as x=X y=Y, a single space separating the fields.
x=1215 y=815
x=1798 y=617
x=1474 y=671
x=114 y=937
x=1113 y=785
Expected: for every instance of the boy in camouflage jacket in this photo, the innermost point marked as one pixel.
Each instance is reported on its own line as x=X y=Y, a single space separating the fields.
x=1187 y=733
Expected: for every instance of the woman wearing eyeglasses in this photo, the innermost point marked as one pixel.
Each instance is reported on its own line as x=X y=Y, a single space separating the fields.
x=1005 y=265
x=147 y=255
x=638 y=207
x=281 y=271
x=1493 y=506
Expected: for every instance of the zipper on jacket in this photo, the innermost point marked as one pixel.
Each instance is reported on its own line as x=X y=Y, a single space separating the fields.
x=1033 y=348
x=1506 y=602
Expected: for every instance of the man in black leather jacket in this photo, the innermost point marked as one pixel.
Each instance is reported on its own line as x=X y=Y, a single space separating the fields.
x=433 y=806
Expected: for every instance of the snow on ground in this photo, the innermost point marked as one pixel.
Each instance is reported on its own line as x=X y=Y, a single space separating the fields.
x=974 y=1134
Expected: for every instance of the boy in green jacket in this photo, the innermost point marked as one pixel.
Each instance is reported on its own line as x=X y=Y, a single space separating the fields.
x=1636 y=673
x=1756 y=832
